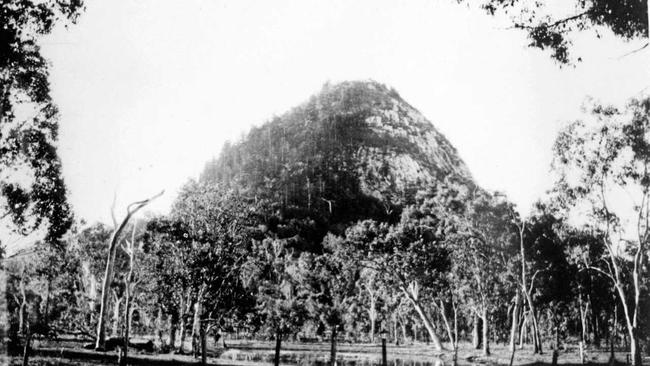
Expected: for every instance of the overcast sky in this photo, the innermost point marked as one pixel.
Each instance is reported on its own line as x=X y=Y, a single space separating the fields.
x=150 y=90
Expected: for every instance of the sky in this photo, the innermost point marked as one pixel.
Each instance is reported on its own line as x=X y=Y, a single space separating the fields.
x=149 y=91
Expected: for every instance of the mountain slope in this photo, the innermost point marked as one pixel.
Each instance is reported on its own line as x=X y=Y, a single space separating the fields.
x=352 y=151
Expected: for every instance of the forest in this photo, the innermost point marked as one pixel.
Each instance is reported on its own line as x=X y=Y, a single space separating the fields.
x=309 y=231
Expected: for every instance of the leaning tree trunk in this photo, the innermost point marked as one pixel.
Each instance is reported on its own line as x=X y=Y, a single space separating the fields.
x=446 y=323
x=437 y=345
x=110 y=263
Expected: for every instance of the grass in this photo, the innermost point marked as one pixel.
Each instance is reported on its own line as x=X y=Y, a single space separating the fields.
x=250 y=353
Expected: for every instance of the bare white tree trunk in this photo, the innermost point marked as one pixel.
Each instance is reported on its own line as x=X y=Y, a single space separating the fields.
x=110 y=263
x=428 y=324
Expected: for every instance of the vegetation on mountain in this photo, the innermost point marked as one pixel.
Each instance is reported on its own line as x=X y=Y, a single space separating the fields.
x=366 y=235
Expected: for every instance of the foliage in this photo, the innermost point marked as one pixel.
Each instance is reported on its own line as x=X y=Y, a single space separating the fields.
x=28 y=139
x=600 y=162
x=550 y=29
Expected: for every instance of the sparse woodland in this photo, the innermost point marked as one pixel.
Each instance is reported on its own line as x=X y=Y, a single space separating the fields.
x=311 y=228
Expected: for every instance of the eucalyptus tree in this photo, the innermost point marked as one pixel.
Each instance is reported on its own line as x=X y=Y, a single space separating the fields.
x=330 y=280
x=107 y=282
x=410 y=255
x=272 y=272
x=483 y=251
x=219 y=224
x=601 y=162
x=169 y=244
x=369 y=293
x=553 y=25
x=32 y=190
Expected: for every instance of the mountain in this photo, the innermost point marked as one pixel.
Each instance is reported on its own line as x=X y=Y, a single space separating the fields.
x=354 y=150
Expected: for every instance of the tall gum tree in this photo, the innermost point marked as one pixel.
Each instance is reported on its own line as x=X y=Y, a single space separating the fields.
x=600 y=162
x=28 y=139
x=410 y=255
x=553 y=26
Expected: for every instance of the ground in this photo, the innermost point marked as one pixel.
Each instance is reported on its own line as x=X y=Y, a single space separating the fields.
x=248 y=353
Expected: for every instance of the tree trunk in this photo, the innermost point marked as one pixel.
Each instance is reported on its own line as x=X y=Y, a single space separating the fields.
x=115 y=332
x=182 y=332
x=476 y=340
x=278 y=342
x=127 y=323
x=171 y=341
x=26 y=350
x=523 y=329
x=403 y=326
x=372 y=314
x=595 y=325
x=414 y=329
x=333 y=347
x=108 y=274
x=635 y=352
x=447 y=325
x=524 y=288
x=455 y=334
x=395 y=335
x=513 y=329
x=22 y=311
x=486 y=334
x=183 y=324
x=204 y=345
x=196 y=328
x=46 y=312
x=106 y=285
x=437 y=345
x=515 y=318
x=537 y=340
x=556 y=347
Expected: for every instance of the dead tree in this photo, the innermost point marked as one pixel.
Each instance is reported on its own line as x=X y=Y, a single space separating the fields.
x=130 y=285
x=110 y=263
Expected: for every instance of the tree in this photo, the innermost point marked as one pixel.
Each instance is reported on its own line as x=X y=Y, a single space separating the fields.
x=131 y=210
x=219 y=224
x=483 y=245
x=273 y=271
x=599 y=162
x=369 y=289
x=330 y=279
x=551 y=28
x=169 y=245
x=32 y=191
x=409 y=254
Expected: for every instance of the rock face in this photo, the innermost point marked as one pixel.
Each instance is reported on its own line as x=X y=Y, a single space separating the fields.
x=351 y=151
